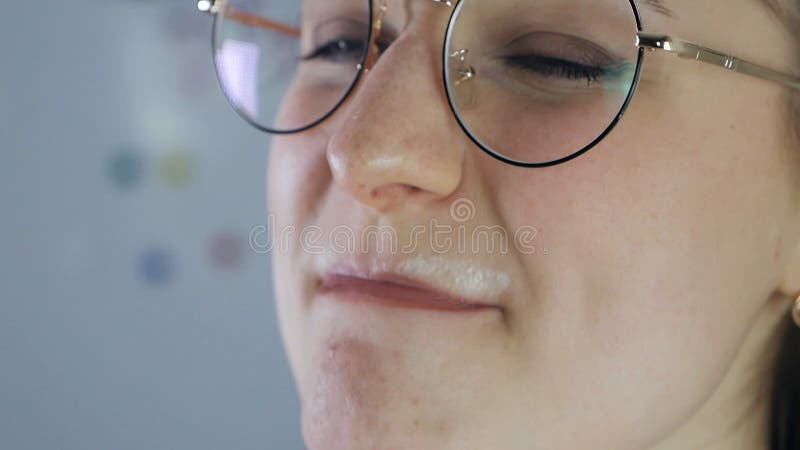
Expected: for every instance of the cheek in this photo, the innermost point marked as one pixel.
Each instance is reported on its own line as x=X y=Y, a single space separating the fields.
x=298 y=174
x=525 y=128
x=312 y=95
x=660 y=256
x=297 y=178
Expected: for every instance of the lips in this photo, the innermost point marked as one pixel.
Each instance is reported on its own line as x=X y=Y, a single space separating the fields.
x=393 y=290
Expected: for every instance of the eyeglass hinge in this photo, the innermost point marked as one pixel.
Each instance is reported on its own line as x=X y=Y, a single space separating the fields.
x=210 y=6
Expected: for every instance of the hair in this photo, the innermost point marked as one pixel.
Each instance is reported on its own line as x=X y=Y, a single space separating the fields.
x=784 y=424
x=785 y=409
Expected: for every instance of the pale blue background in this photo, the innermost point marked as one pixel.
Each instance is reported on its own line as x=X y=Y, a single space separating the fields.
x=91 y=356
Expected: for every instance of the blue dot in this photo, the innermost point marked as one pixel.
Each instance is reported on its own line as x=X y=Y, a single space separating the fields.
x=156 y=267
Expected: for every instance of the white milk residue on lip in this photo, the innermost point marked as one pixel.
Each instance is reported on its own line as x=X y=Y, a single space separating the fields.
x=463 y=278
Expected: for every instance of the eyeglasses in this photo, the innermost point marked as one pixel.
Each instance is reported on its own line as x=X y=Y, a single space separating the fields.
x=533 y=83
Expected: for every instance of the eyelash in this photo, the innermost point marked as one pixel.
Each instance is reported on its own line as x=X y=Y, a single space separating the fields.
x=337 y=49
x=555 y=67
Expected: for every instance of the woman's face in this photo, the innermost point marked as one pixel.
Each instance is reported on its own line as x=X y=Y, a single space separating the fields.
x=638 y=270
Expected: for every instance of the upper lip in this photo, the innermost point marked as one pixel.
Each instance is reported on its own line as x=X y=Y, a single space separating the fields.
x=435 y=280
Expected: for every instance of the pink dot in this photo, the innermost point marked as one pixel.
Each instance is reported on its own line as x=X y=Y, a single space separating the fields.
x=225 y=250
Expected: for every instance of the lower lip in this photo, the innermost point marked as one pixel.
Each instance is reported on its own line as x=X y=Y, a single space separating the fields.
x=395 y=295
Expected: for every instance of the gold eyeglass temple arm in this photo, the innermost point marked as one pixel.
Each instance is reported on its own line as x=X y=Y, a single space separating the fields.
x=246 y=18
x=690 y=50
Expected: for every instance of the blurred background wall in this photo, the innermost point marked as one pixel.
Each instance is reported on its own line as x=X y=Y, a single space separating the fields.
x=133 y=312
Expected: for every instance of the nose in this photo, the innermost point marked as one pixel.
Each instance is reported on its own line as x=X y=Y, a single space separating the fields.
x=397 y=140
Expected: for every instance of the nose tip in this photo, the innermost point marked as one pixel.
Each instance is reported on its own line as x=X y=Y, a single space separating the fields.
x=383 y=181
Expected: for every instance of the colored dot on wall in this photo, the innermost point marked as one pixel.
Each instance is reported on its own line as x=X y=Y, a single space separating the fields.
x=125 y=169
x=156 y=266
x=225 y=251
x=176 y=168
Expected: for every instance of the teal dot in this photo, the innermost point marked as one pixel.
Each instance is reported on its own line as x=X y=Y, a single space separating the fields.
x=126 y=169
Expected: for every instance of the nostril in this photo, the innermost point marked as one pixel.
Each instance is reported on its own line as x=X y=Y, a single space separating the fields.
x=394 y=191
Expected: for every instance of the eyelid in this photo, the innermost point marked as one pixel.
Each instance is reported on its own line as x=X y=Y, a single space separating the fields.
x=339 y=29
x=566 y=47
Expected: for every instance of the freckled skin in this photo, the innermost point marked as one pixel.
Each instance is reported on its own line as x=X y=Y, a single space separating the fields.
x=353 y=382
x=674 y=254
x=348 y=388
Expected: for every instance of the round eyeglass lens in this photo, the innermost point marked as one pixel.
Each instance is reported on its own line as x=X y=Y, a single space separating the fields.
x=538 y=82
x=286 y=66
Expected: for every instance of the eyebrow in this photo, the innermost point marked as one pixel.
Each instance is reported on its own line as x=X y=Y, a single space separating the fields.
x=660 y=7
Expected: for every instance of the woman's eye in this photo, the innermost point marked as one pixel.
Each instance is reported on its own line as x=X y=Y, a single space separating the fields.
x=558 y=58
x=338 y=50
x=555 y=67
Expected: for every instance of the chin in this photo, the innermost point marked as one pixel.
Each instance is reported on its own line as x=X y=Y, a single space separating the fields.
x=354 y=400
x=339 y=426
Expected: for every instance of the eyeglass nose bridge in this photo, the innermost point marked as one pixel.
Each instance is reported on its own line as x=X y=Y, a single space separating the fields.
x=465 y=72
x=463 y=92
x=377 y=29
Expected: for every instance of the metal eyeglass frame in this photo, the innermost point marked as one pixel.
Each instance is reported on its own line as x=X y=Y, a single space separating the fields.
x=644 y=41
